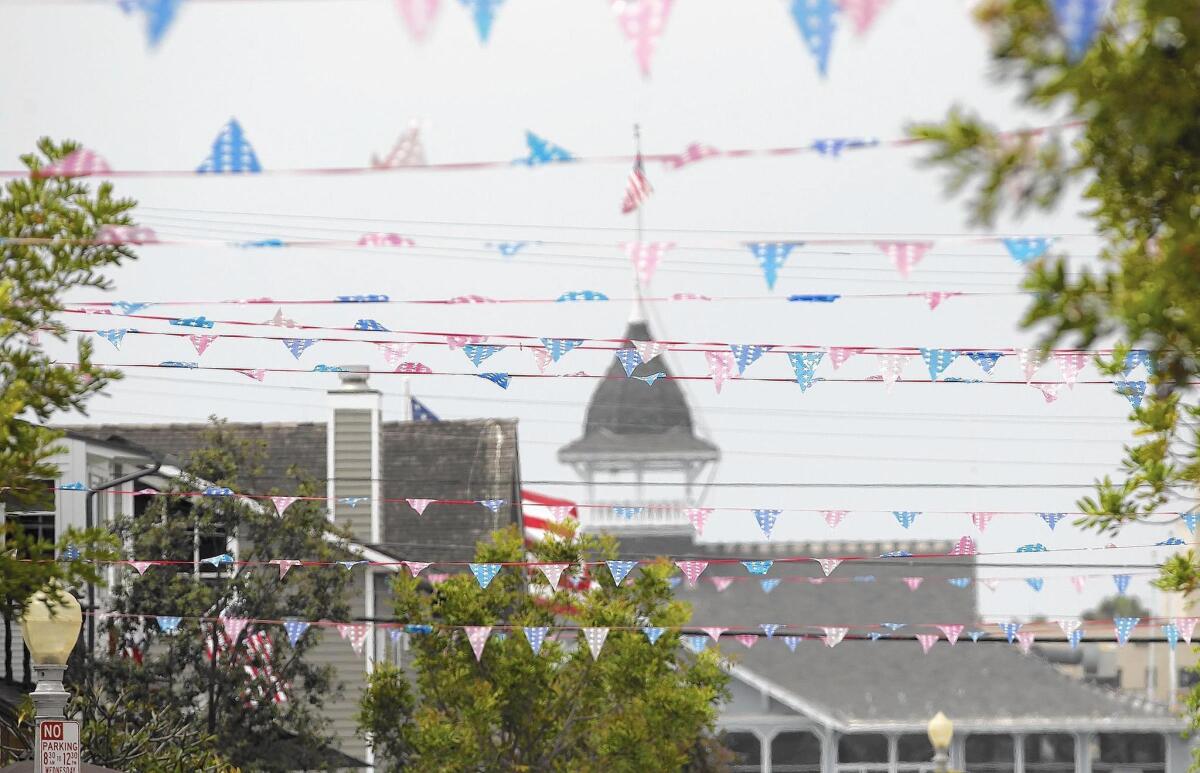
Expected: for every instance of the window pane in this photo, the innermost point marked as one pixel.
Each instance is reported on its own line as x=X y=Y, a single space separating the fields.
x=747 y=751
x=1136 y=751
x=796 y=753
x=1050 y=753
x=914 y=748
x=862 y=748
x=992 y=753
x=39 y=498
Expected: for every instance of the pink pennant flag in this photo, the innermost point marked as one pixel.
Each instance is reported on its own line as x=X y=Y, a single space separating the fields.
x=78 y=163
x=394 y=354
x=141 y=566
x=284 y=565
x=1069 y=365
x=478 y=636
x=890 y=368
x=645 y=257
x=721 y=582
x=1031 y=360
x=829 y=564
x=904 y=255
x=437 y=578
x=1069 y=625
x=964 y=547
x=981 y=520
x=257 y=373
x=839 y=354
x=1079 y=581
x=558 y=513
x=715 y=632
x=935 y=297
x=747 y=640
x=145 y=492
x=233 y=627
x=1025 y=640
x=1186 y=627
x=862 y=13
x=833 y=636
x=952 y=632
x=459 y=341
x=408 y=151
x=418 y=17
x=834 y=517
x=416 y=567
x=553 y=572
x=201 y=342
x=281 y=321
x=282 y=504
x=541 y=358
x=913 y=582
x=816 y=580
x=691 y=570
x=413 y=367
x=355 y=633
x=991 y=584
x=643 y=23
x=698 y=517
x=419 y=504
x=927 y=641
x=1049 y=391
x=648 y=350
x=720 y=367
x=694 y=152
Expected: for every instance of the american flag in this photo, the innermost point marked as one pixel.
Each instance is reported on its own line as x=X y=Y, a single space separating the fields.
x=541 y=514
x=638 y=189
x=260 y=655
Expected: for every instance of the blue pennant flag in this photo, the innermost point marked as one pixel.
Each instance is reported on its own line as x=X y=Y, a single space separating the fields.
x=422 y=413
x=349 y=565
x=1010 y=630
x=805 y=366
x=757 y=567
x=477 y=353
x=1052 y=519
x=260 y=243
x=976 y=634
x=771 y=257
x=629 y=359
x=863 y=578
x=1075 y=637
x=1171 y=541
x=1190 y=519
x=896 y=554
x=231 y=153
x=816 y=20
x=178 y=364
x=114 y=337
x=295 y=629
x=620 y=569
x=651 y=378
x=536 y=637
x=217 y=491
x=1035 y=547
x=959 y=582
x=769 y=584
x=369 y=298
x=653 y=633
x=1171 y=633
x=769 y=628
x=833 y=147
x=542 y=151
x=131 y=307
x=493 y=504
x=628 y=513
x=1133 y=391
x=297 y=346
x=75 y=486
x=985 y=360
x=905 y=517
x=499 y=379
x=484 y=573
x=1025 y=249
x=696 y=644
x=160 y=15
x=323 y=368
x=351 y=501
x=1079 y=21
x=810 y=298
x=370 y=325
x=508 y=249
x=224 y=558
x=557 y=347
x=1124 y=626
x=893 y=627
x=1135 y=358
x=70 y=553
x=1122 y=583
x=766 y=520
x=938 y=360
x=792 y=641
x=168 y=624
x=582 y=295
x=418 y=629
x=875 y=635
x=200 y=322
x=1036 y=583
x=484 y=13
x=746 y=355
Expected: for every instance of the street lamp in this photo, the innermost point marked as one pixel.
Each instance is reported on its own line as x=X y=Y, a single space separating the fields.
x=50 y=627
x=941 y=731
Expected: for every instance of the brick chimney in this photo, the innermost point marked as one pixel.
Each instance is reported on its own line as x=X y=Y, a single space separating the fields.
x=353 y=453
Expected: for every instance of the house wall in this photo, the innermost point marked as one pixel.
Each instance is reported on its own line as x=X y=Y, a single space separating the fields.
x=352 y=456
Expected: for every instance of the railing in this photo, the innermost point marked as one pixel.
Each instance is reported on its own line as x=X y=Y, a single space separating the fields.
x=654 y=515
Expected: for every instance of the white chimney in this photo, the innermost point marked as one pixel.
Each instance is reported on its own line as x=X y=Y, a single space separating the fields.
x=353 y=455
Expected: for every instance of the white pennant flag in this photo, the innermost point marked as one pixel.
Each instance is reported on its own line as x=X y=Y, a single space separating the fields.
x=829 y=564
x=595 y=639
x=477 y=635
x=282 y=504
x=394 y=354
x=1069 y=625
x=834 y=635
x=834 y=517
x=1069 y=365
x=1031 y=360
x=648 y=350
x=646 y=257
x=553 y=572
x=890 y=367
x=720 y=367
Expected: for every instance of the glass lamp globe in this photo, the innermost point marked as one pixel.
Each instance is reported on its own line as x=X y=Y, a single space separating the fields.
x=940 y=730
x=50 y=627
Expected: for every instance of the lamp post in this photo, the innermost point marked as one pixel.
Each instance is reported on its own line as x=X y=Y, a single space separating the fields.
x=50 y=627
x=941 y=731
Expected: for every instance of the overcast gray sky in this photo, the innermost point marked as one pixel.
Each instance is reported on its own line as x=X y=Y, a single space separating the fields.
x=320 y=84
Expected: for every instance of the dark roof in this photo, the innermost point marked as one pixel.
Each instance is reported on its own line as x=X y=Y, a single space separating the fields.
x=628 y=418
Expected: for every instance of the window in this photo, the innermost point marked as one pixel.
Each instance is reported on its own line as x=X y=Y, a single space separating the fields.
x=1049 y=754
x=914 y=751
x=1129 y=753
x=33 y=514
x=193 y=542
x=747 y=752
x=796 y=753
x=990 y=754
x=863 y=752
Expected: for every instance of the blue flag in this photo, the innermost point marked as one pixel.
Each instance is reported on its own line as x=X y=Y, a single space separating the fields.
x=1124 y=626
x=805 y=366
x=1135 y=358
x=477 y=353
x=1035 y=547
x=484 y=13
x=499 y=379
x=1052 y=519
x=297 y=346
x=792 y=641
x=757 y=567
x=628 y=513
x=1079 y=21
x=542 y=151
x=629 y=359
x=536 y=637
x=959 y=582
x=769 y=628
x=769 y=584
x=168 y=624
x=766 y=520
x=114 y=337
x=557 y=347
x=1010 y=630
x=1122 y=583
x=1025 y=249
x=231 y=153
x=653 y=633
x=620 y=569
x=1133 y=391
x=696 y=644
x=1035 y=582
x=129 y=307
x=1190 y=519
x=1171 y=633
x=985 y=360
x=817 y=20
x=492 y=504
x=771 y=257
x=295 y=629
x=905 y=517
x=370 y=325
x=746 y=355
x=582 y=295
x=484 y=573
x=160 y=15
x=938 y=360
x=420 y=412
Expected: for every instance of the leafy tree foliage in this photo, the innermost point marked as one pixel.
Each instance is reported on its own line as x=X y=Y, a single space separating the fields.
x=169 y=680
x=1118 y=606
x=638 y=707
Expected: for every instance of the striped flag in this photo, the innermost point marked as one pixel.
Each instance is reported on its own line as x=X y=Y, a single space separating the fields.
x=258 y=668
x=638 y=189
x=542 y=514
